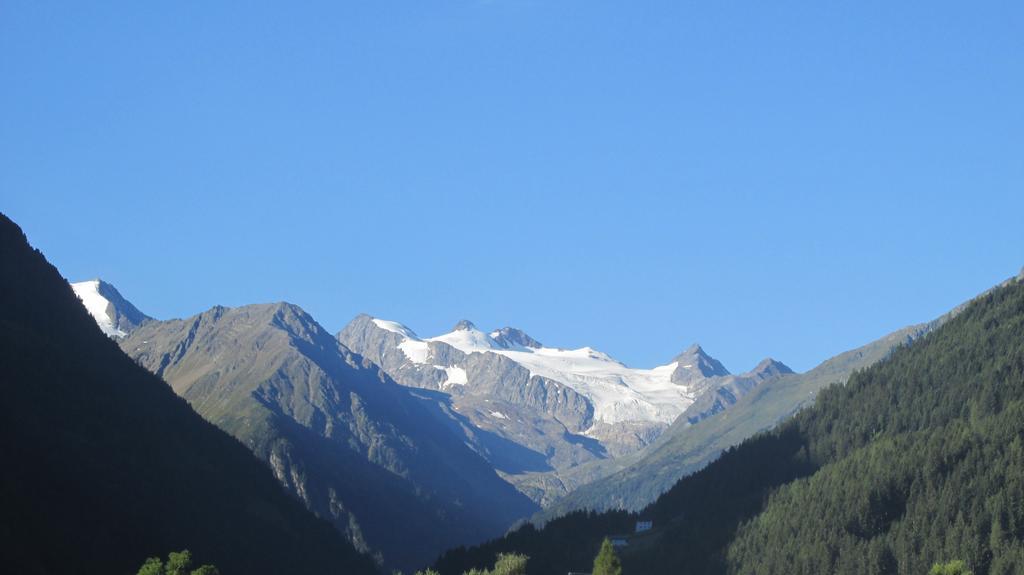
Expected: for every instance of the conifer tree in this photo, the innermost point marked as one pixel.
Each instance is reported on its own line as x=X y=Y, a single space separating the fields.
x=607 y=562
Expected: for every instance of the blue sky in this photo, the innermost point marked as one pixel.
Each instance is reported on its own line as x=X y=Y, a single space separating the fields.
x=789 y=179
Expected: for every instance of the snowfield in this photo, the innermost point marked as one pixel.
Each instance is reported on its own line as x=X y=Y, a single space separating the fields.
x=617 y=392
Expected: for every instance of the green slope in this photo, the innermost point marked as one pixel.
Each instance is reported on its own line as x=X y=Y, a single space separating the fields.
x=104 y=466
x=917 y=459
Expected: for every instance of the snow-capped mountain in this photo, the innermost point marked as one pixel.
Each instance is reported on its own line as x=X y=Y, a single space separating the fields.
x=114 y=315
x=532 y=409
x=619 y=394
x=536 y=413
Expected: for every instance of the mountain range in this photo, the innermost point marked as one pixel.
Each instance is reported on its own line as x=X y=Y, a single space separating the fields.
x=534 y=410
x=476 y=417
x=472 y=430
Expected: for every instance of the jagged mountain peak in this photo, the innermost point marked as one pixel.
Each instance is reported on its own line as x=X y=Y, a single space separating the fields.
x=695 y=364
x=690 y=352
x=696 y=358
x=769 y=367
x=114 y=314
x=509 y=337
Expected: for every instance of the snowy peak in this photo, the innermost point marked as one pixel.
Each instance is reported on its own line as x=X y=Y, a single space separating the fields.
x=695 y=364
x=510 y=338
x=114 y=315
x=617 y=393
x=466 y=338
x=392 y=326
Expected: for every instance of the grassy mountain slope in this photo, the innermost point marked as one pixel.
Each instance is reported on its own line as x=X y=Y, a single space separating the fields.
x=917 y=459
x=105 y=466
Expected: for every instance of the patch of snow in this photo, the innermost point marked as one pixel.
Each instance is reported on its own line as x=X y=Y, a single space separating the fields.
x=456 y=376
x=97 y=305
x=395 y=327
x=468 y=340
x=618 y=393
x=498 y=415
x=415 y=349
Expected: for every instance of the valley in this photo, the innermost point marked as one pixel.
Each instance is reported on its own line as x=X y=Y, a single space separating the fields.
x=477 y=430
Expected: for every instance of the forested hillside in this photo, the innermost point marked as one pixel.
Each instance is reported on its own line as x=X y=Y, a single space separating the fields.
x=104 y=466
x=916 y=460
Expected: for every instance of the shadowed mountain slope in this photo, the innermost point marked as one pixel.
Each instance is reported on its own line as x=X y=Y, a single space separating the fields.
x=104 y=466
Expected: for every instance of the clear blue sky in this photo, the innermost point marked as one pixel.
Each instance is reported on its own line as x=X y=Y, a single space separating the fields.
x=789 y=179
